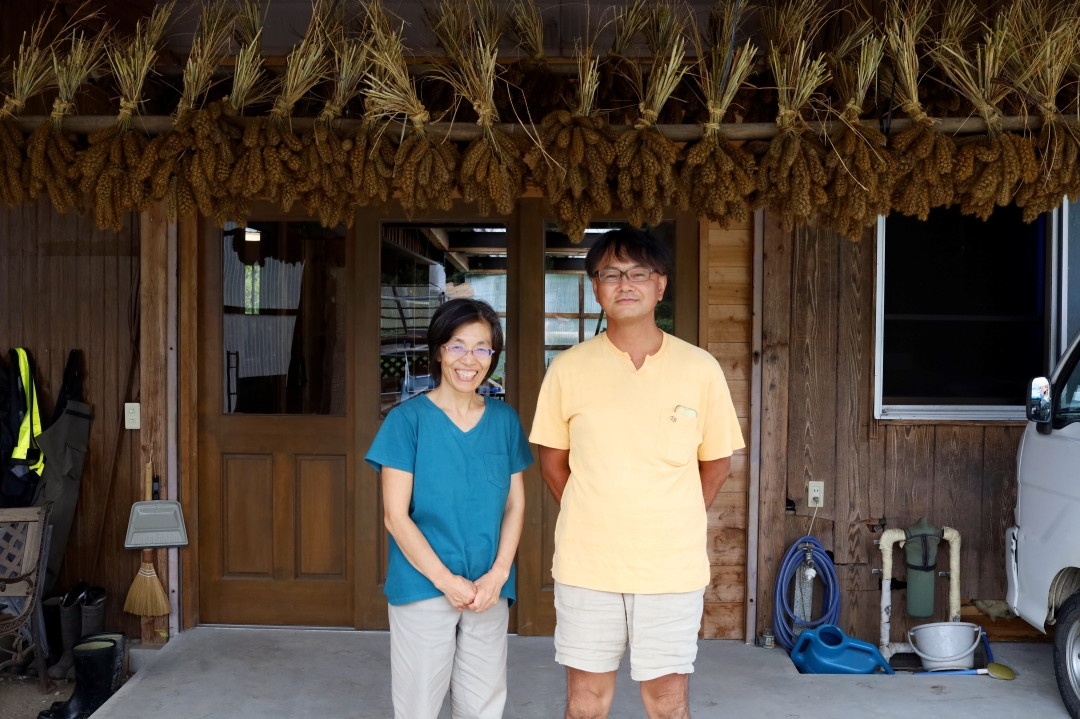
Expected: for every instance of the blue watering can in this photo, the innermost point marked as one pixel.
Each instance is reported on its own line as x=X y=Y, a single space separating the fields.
x=827 y=650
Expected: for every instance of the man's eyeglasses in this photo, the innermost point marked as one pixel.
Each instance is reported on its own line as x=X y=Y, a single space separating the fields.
x=458 y=351
x=612 y=276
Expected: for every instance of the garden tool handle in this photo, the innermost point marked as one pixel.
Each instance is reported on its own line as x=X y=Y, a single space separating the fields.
x=149 y=480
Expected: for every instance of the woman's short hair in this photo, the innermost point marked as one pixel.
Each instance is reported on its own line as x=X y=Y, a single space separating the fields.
x=453 y=315
x=630 y=245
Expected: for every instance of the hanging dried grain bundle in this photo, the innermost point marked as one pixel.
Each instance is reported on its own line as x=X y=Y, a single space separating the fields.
x=425 y=167
x=540 y=90
x=791 y=176
x=573 y=155
x=1045 y=41
x=331 y=197
x=492 y=173
x=194 y=158
x=615 y=90
x=31 y=73
x=857 y=162
x=53 y=167
x=108 y=168
x=987 y=170
x=923 y=157
x=644 y=158
x=717 y=176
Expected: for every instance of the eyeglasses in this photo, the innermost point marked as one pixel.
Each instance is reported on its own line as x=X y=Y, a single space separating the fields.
x=458 y=351
x=613 y=276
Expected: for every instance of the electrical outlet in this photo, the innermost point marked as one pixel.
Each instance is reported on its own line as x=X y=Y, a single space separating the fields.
x=815 y=494
x=132 y=415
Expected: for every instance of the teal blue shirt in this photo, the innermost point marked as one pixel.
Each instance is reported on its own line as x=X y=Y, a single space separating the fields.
x=460 y=484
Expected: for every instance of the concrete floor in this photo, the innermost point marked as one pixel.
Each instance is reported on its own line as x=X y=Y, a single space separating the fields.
x=266 y=674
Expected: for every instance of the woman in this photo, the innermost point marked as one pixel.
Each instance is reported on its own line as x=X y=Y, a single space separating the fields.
x=451 y=464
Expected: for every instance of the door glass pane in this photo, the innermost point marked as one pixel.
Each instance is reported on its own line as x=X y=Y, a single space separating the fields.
x=423 y=266
x=571 y=313
x=283 y=319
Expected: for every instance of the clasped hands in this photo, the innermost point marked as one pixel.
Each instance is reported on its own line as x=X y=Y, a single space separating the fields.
x=479 y=596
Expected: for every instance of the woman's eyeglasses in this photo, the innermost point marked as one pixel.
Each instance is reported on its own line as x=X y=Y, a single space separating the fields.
x=612 y=276
x=458 y=351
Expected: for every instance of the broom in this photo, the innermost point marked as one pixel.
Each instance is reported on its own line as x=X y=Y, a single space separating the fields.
x=147 y=597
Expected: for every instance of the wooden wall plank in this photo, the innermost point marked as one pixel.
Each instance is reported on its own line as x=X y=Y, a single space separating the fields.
x=811 y=431
x=958 y=472
x=723 y=621
x=776 y=326
x=854 y=401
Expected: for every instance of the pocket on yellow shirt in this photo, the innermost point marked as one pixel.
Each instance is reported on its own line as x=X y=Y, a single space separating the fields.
x=498 y=469
x=677 y=438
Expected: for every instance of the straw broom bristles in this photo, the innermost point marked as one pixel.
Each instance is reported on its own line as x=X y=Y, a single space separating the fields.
x=717 y=177
x=146 y=597
x=987 y=170
x=791 y=176
x=922 y=155
x=858 y=164
x=572 y=157
x=491 y=173
x=645 y=159
x=424 y=168
x=1046 y=41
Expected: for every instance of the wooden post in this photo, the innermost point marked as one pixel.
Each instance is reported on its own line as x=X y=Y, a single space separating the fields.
x=153 y=375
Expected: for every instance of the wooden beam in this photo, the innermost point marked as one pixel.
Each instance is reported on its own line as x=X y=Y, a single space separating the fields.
x=462 y=131
x=188 y=369
x=153 y=375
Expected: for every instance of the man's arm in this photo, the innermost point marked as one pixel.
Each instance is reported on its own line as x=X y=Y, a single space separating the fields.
x=555 y=469
x=713 y=475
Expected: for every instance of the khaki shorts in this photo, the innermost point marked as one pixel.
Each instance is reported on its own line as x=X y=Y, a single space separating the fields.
x=593 y=629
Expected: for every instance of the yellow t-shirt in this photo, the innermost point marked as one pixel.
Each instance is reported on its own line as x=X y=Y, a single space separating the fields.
x=632 y=518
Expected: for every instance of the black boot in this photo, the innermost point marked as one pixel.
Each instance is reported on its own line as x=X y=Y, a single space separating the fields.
x=70 y=628
x=94 y=662
x=119 y=655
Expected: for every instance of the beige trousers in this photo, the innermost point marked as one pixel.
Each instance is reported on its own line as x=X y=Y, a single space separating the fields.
x=434 y=647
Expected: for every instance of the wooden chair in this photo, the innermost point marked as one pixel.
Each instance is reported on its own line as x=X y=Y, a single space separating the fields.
x=24 y=535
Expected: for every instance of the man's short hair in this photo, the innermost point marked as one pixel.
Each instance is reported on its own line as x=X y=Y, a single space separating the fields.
x=454 y=315
x=630 y=245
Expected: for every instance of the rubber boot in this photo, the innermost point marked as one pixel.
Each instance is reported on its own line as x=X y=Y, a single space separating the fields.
x=94 y=663
x=70 y=632
x=93 y=616
x=120 y=640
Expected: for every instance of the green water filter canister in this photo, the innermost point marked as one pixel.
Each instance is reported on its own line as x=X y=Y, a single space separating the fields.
x=921 y=547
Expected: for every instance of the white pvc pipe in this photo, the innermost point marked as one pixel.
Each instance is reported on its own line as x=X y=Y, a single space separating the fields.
x=889 y=648
x=953 y=538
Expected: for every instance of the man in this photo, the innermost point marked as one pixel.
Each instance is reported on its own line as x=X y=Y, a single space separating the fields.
x=635 y=430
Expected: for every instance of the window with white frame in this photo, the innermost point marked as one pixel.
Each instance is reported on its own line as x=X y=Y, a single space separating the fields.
x=962 y=313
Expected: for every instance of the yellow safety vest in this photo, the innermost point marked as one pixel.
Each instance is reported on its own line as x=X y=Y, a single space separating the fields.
x=31 y=420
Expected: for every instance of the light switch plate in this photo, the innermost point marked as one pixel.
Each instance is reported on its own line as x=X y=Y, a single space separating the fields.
x=132 y=415
x=815 y=494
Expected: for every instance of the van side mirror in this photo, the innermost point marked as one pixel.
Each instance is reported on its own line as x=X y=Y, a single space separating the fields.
x=1039 y=403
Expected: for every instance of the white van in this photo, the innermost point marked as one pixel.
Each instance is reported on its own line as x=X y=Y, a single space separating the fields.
x=1043 y=549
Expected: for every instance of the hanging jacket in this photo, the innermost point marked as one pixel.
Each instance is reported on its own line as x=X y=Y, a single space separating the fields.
x=24 y=467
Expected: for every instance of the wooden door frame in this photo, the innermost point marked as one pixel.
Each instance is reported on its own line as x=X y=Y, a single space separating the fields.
x=525 y=286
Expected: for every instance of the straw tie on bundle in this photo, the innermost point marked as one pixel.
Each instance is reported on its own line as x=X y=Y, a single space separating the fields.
x=492 y=173
x=572 y=157
x=717 y=177
x=52 y=155
x=108 y=168
x=922 y=155
x=988 y=169
x=1044 y=42
x=791 y=176
x=645 y=159
x=424 y=168
x=858 y=164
